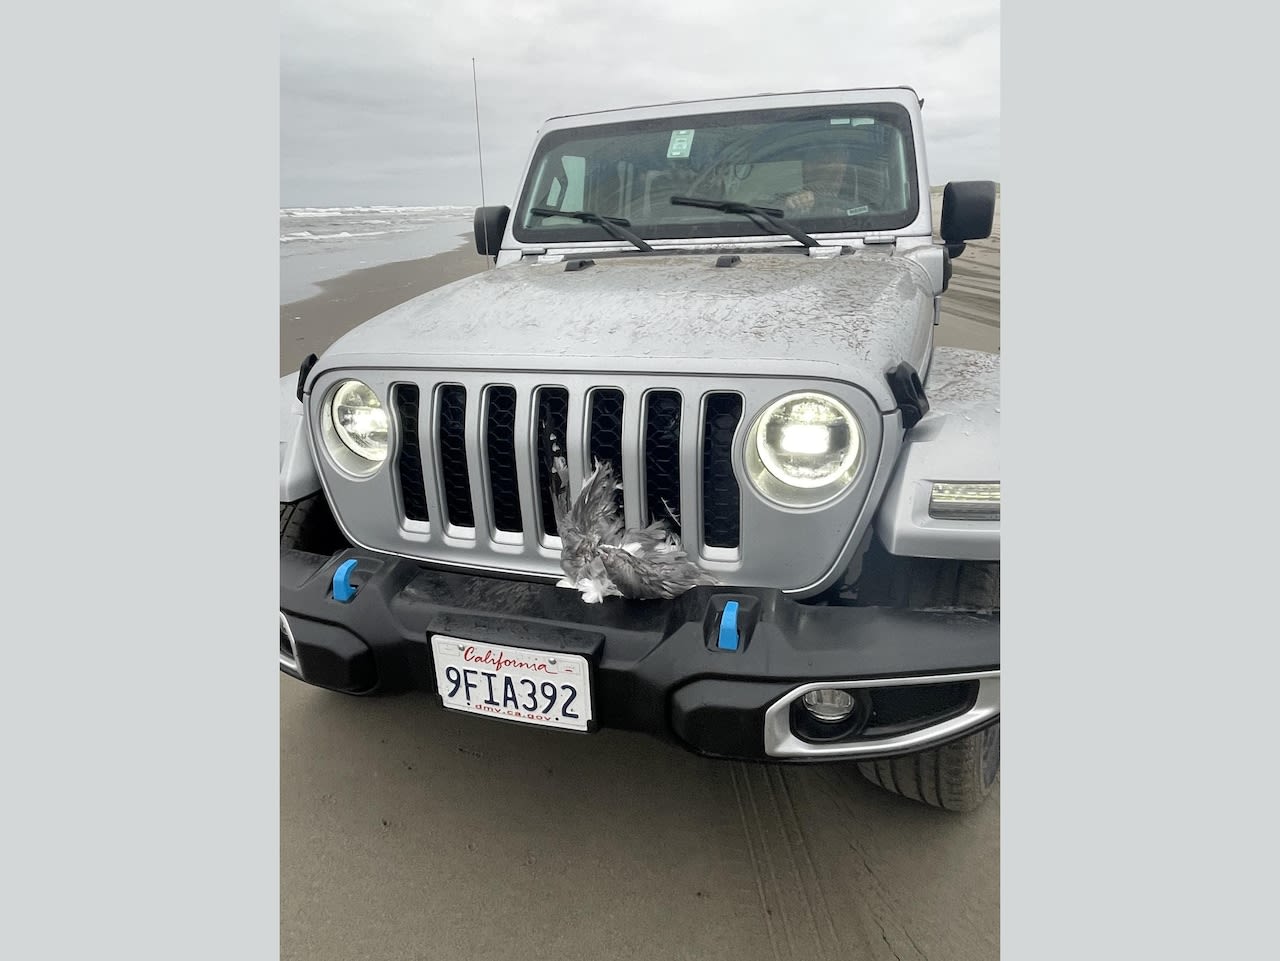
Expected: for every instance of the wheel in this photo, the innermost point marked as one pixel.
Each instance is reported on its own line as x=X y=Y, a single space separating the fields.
x=308 y=525
x=955 y=777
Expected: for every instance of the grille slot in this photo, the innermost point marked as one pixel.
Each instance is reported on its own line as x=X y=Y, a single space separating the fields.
x=412 y=488
x=553 y=426
x=721 y=499
x=605 y=432
x=662 y=457
x=453 y=456
x=504 y=487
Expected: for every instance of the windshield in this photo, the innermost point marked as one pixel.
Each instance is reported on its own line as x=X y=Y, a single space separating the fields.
x=827 y=169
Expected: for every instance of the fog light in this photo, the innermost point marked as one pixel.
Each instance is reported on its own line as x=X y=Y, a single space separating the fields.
x=829 y=705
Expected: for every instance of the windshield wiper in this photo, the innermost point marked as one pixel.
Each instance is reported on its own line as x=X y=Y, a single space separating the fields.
x=769 y=216
x=616 y=226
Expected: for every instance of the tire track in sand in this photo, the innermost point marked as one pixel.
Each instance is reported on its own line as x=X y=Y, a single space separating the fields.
x=792 y=897
x=819 y=894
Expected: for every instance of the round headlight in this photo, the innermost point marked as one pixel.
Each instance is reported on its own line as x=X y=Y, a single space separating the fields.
x=808 y=440
x=804 y=449
x=356 y=424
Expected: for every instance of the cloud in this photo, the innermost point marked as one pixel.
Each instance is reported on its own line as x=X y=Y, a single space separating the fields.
x=377 y=105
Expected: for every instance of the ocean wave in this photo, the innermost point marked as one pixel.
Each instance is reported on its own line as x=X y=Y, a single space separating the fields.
x=344 y=235
x=448 y=209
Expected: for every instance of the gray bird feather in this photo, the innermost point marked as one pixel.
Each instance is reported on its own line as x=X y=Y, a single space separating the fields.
x=602 y=558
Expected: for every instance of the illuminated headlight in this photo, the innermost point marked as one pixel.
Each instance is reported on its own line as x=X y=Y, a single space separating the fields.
x=804 y=449
x=965 y=502
x=354 y=425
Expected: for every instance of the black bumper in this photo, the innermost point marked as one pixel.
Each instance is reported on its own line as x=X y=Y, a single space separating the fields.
x=656 y=666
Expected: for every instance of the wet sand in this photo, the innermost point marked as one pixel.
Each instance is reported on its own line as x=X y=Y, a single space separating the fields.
x=408 y=832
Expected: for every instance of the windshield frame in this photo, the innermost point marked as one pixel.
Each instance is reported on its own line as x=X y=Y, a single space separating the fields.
x=720 y=228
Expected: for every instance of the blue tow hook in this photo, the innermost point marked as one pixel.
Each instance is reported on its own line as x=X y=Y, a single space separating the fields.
x=728 y=639
x=342 y=589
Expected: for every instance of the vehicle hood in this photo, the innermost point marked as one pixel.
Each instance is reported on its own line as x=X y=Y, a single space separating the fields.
x=848 y=318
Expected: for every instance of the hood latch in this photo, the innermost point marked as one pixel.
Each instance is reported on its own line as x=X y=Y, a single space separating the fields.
x=909 y=393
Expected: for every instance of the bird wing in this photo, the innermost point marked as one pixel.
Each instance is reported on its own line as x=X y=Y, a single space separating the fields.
x=653 y=576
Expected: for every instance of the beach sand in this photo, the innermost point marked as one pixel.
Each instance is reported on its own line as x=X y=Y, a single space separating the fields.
x=409 y=832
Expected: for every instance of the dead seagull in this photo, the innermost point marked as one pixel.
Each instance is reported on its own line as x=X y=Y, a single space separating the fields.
x=601 y=558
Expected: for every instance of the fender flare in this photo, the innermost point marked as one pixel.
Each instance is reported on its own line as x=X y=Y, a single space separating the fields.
x=957 y=441
x=298 y=476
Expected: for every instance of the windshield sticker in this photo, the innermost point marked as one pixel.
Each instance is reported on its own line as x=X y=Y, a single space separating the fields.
x=853 y=121
x=681 y=142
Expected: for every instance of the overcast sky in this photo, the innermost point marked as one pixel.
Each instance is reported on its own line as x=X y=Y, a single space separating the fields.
x=376 y=101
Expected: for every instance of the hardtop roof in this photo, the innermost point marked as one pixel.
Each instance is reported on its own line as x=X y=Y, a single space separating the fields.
x=750 y=96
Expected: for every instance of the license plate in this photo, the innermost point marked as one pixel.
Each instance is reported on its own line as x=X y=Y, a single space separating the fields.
x=513 y=683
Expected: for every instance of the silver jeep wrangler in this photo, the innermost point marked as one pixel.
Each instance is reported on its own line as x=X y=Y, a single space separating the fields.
x=731 y=305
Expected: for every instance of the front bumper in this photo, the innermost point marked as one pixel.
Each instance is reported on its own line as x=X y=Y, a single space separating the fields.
x=920 y=678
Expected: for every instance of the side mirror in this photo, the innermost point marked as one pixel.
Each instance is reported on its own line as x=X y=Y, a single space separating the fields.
x=968 y=212
x=490 y=224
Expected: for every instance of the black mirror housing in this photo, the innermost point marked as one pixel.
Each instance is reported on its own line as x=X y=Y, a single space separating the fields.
x=968 y=213
x=490 y=225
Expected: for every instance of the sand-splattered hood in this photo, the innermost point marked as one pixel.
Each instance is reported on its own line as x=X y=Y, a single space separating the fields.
x=849 y=318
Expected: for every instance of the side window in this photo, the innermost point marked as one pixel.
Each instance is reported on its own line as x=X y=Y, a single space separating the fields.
x=575 y=169
x=558 y=184
x=880 y=174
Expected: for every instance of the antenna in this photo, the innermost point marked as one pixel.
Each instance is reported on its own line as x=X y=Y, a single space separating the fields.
x=479 y=152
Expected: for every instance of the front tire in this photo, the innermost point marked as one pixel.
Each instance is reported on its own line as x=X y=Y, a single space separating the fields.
x=957 y=777
x=308 y=525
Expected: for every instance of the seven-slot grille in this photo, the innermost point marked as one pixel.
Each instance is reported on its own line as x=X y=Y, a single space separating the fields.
x=516 y=441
